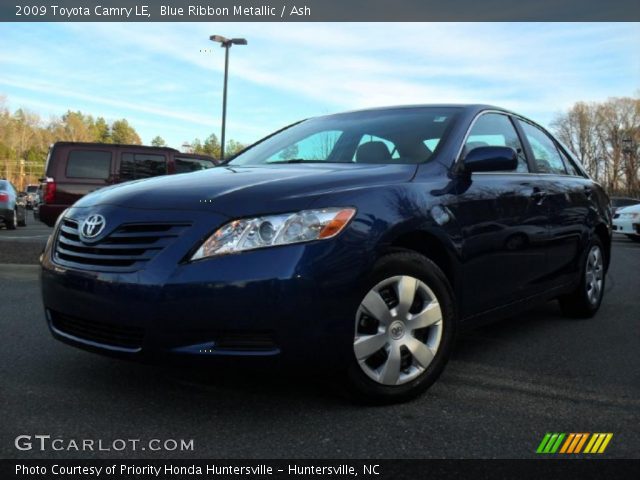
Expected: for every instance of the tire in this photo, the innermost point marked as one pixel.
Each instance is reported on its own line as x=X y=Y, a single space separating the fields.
x=635 y=238
x=404 y=374
x=584 y=301
x=23 y=222
x=11 y=223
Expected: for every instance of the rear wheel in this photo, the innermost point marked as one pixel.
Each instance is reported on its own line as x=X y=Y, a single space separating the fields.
x=585 y=300
x=404 y=329
x=12 y=220
x=23 y=222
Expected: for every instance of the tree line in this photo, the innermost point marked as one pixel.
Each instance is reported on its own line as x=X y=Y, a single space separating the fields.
x=25 y=139
x=605 y=137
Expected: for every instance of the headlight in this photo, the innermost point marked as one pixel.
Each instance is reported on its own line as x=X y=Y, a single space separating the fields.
x=272 y=230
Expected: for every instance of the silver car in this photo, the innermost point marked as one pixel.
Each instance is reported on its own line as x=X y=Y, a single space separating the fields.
x=12 y=206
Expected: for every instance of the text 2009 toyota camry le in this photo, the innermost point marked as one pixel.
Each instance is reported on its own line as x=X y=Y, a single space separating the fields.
x=361 y=241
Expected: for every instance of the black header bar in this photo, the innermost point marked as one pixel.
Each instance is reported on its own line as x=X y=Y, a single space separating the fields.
x=318 y=10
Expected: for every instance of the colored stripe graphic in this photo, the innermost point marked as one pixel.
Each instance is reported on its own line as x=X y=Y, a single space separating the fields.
x=573 y=443
x=543 y=443
x=550 y=443
x=583 y=439
x=598 y=443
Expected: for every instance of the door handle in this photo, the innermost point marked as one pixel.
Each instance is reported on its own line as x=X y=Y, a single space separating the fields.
x=588 y=192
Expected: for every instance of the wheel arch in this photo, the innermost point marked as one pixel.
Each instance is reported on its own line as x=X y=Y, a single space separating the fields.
x=604 y=235
x=431 y=246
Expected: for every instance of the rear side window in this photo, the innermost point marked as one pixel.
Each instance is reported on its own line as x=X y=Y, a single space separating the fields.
x=134 y=166
x=545 y=153
x=569 y=165
x=184 y=165
x=496 y=130
x=89 y=164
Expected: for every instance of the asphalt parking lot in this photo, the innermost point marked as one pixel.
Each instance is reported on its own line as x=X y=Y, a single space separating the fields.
x=507 y=385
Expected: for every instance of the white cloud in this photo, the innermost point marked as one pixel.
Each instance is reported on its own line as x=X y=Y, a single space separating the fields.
x=294 y=70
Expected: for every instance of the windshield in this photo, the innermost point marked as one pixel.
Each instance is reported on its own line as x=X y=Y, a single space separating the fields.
x=403 y=135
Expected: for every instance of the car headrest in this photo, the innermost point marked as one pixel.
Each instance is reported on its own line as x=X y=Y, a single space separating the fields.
x=373 y=152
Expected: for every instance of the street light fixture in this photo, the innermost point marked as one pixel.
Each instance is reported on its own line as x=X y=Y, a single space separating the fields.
x=225 y=43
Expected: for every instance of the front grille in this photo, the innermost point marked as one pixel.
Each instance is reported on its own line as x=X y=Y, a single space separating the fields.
x=128 y=248
x=109 y=334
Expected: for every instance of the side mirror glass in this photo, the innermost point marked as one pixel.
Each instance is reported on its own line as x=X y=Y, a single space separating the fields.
x=490 y=159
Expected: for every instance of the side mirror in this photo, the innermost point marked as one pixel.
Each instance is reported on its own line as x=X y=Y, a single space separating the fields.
x=490 y=159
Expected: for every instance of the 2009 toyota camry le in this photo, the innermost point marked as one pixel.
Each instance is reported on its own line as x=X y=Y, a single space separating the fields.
x=361 y=241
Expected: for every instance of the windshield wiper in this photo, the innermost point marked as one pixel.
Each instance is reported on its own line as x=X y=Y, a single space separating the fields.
x=298 y=160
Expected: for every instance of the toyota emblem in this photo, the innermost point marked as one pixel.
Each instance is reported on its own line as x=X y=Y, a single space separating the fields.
x=92 y=226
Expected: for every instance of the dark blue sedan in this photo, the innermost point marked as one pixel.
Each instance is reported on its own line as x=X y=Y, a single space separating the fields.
x=360 y=242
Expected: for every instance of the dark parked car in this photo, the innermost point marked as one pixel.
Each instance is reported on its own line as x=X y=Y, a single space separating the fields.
x=36 y=206
x=12 y=206
x=359 y=242
x=74 y=169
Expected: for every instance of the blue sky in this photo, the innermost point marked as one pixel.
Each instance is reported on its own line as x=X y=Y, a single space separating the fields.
x=156 y=75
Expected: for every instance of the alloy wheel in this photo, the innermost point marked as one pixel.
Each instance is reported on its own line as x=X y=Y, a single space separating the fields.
x=398 y=330
x=594 y=274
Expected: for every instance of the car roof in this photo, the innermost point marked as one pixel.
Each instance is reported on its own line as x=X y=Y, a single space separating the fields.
x=102 y=145
x=468 y=107
x=199 y=156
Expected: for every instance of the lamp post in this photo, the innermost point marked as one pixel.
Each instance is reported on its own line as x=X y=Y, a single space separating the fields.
x=225 y=43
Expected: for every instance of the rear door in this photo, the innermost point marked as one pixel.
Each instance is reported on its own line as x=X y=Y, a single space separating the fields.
x=78 y=170
x=568 y=199
x=503 y=223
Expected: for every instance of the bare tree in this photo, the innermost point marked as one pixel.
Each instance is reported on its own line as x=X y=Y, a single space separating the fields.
x=605 y=138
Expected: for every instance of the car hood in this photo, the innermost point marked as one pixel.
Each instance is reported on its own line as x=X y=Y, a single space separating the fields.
x=240 y=191
x=629 y=209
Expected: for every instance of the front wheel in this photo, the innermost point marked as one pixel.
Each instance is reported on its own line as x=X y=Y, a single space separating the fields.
x=404 y=329
x=585 y=300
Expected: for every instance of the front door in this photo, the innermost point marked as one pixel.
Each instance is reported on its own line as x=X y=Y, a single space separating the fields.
x=503 y=222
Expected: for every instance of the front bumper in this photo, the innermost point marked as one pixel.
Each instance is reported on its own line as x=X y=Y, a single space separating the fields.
x=295 y=302
x=627 y=226
x=5 y=214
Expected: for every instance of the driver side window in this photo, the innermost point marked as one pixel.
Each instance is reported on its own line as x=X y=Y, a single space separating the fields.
x=496 y=130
